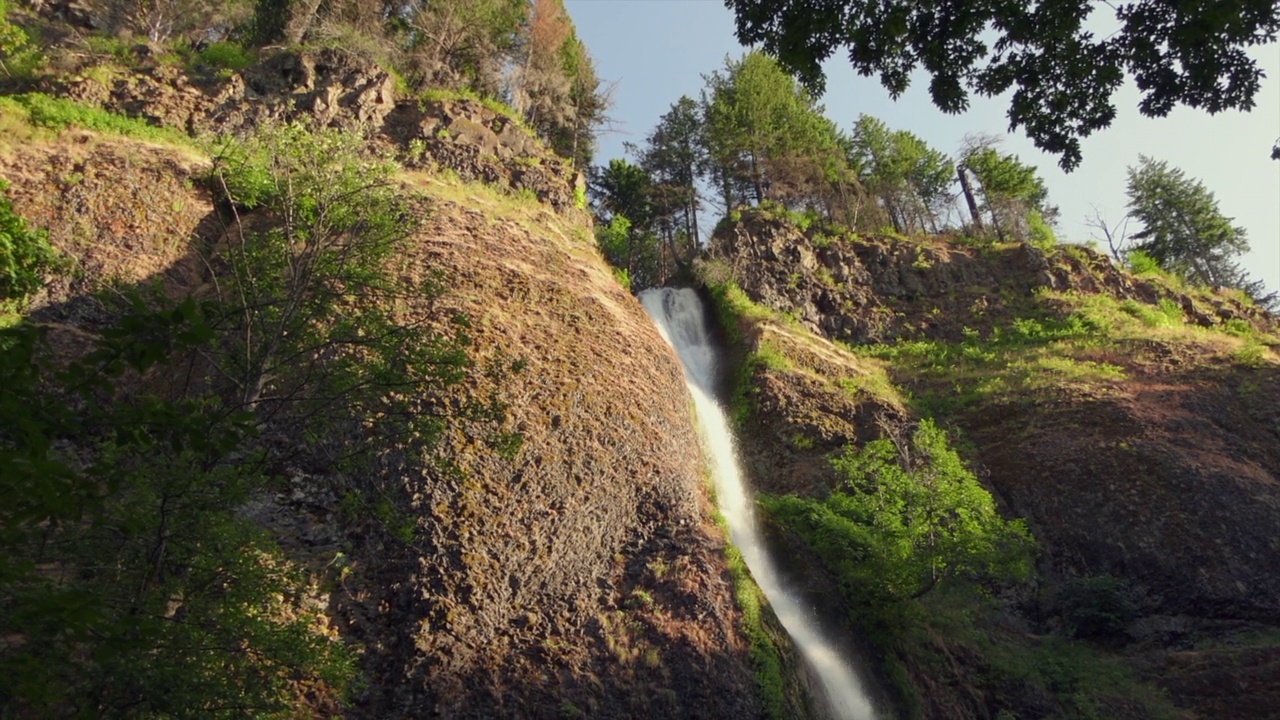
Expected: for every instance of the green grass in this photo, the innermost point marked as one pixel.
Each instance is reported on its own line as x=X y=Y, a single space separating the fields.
x=1027 y=355
x=873 y=381
x=1165 y=314
x=42 y=111
x=224 y=57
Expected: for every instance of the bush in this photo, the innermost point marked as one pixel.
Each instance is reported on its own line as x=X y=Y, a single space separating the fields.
x=1039 y=232
x=19 y=58
x=904 y=521
x=227 y=56
x=1141 y=263
x=1097 y=608
x=25 y=256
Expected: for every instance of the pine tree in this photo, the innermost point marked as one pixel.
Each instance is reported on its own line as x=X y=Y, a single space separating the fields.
x=767 y=136
x=1182 y=227
x=910 y=178
x=675 y=155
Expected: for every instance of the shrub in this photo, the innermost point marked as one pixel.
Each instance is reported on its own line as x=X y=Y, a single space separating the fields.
x=1141 y=263
x=25 y=256
x=1096 y=607
x=19 y=58
x=901 y=522
x=225 y=56
x=1040 y=233
x=623 y=277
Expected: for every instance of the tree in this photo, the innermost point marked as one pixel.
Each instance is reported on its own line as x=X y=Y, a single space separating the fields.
x=12 y=39
x=910 y=178
x=1062 y=76
x=904 y=519
x=766 y=137
x=462 y=43
x=622 y=198
x=750 y=109
x=1012 y=193
x=1182 y=227
x=675 y=156
x=622 y=189
x=162 y=20
x=575 y=138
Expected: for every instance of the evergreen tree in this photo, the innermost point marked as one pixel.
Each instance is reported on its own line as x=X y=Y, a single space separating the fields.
x=767 y=138
x=622 y=198
x=1182 y=227
x=910 y=178
x=556 y=87
x=675 y=156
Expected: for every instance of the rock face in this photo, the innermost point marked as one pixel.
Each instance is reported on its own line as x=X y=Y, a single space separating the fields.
x=869 y=290
x=1166 y=480
x=580 y=577
x=333 y=89
x=583 y=573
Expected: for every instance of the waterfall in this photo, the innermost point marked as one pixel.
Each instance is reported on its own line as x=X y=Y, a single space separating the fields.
x=680 y=319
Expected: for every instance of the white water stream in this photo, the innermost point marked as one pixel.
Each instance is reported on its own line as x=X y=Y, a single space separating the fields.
x=680 y=318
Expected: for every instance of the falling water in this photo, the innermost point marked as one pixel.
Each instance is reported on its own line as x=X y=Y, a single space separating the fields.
x=680 y=318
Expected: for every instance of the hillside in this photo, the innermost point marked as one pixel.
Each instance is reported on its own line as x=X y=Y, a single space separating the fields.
x=528 y=537
x=323 y=393
x=1130 y=420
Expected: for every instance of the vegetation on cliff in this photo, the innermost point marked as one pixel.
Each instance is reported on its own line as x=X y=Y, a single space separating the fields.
x=25 y=256
x=901 y=520
x=260 y=451
x=128 y=565
x=295 y=290
x=523 y=54
x=1024 y=355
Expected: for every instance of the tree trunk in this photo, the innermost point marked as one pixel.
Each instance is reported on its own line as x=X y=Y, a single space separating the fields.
x=756 y=180
x=963 y=175
x=693 y=215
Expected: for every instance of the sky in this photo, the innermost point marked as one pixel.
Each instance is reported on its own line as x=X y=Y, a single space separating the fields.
x=657 y=50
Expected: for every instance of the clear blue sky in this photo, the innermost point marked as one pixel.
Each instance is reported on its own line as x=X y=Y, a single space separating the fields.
x=658 y=50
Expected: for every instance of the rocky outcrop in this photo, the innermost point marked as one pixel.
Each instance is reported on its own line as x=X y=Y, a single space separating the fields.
x=582 y=573
x=867 y=289
x=330 y=88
